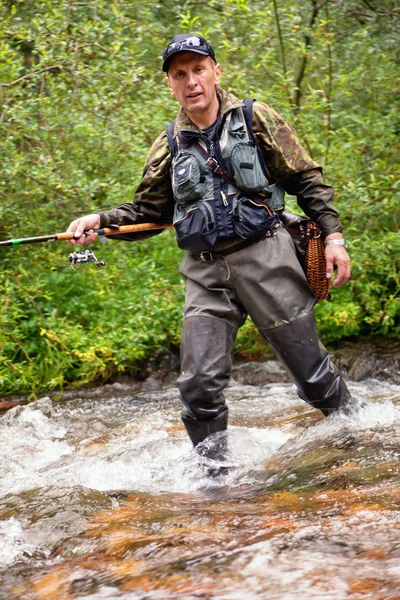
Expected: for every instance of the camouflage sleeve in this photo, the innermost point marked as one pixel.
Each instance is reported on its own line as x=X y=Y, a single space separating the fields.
x=153 y=200
x=288 y=163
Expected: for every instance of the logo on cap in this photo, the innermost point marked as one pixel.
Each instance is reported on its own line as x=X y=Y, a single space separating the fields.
x=186 y=43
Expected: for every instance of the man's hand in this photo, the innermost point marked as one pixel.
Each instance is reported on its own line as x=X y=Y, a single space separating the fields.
x=87 y=223
x=337 y=256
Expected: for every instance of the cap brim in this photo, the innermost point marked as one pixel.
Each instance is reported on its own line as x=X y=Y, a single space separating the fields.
x=196 y=50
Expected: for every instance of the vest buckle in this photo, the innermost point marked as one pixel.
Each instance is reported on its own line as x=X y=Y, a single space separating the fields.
x=206 y=256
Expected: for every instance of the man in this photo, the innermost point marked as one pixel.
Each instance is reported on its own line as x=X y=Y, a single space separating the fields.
x=239 y=260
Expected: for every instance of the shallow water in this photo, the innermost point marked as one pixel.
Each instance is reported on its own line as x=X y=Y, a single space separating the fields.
x=103 y=498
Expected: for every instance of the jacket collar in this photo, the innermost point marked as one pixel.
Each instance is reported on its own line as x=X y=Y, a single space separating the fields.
x=227 y=102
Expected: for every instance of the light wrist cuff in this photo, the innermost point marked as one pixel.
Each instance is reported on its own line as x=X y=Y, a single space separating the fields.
x=339 y=242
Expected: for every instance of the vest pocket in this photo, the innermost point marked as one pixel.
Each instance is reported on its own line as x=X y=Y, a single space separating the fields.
x=250 y=217
x=247 y=170
x=277 y=200
x=187 y=178
x=195 y=226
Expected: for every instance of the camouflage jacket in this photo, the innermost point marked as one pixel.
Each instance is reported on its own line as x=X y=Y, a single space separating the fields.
x=285 y=159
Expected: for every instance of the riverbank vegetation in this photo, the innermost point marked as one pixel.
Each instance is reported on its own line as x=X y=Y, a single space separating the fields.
x=82 y=98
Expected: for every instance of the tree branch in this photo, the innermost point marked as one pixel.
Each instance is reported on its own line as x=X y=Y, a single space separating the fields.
x=307 y=45
x=29 y=75
x=282 y=47
x=369 y=5
x=329 y=93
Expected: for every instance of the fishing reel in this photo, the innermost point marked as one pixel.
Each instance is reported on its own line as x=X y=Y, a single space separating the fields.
x=82 y=258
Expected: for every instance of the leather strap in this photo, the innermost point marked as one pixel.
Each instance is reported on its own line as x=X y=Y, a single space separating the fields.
x=214 y=165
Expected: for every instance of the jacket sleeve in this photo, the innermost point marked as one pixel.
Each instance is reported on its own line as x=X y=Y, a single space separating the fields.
x=153 y=199
x=288 y=164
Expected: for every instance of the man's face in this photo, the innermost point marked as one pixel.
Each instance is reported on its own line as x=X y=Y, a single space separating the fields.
x=192 y=79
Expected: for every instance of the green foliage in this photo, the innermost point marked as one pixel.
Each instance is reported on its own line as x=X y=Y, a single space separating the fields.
x=82 y=97
x=89 y=325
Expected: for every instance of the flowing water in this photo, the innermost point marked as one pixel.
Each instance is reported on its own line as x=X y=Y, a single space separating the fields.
x=102 y=497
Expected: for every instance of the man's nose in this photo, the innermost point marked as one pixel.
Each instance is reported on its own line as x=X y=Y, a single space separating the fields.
x=191 y=80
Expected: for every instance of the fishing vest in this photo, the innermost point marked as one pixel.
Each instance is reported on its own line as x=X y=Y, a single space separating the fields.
x=209 y=210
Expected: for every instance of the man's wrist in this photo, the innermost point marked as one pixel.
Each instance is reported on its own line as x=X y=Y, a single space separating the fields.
x=336 y=241
x=105 y=220
x=337 y=235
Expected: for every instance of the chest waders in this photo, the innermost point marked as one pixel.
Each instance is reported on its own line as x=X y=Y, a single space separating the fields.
x=266 y=282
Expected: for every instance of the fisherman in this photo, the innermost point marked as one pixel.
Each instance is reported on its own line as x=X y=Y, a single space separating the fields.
x=221 y=177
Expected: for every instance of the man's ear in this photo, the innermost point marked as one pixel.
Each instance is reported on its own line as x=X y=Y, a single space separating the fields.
x=217 y=74
x=169 y=85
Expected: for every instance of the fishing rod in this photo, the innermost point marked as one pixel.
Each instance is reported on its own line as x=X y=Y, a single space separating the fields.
x=88 y=256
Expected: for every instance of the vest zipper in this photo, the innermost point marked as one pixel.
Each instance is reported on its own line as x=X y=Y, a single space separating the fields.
x=218 y=183
x=224 y=200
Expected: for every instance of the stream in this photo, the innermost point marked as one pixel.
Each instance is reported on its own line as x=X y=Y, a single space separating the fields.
x=102 y=497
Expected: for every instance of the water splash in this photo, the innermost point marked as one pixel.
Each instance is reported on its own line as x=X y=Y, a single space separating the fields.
x=29 y=441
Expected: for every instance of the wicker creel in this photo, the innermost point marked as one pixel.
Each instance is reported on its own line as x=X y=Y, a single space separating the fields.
x=316 y=264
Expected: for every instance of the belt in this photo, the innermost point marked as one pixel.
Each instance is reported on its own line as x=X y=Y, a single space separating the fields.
x=207 y=256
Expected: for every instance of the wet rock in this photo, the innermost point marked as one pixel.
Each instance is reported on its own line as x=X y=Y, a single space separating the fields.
x=260 y=373
x=120 y=388
x=163 y=360
x=357 y=359
x=364 y=358
x=162 y=370
x=44 y=405
x=49 y=516
x=82 y=583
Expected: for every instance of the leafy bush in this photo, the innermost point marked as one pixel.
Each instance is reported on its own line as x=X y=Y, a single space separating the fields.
x=86 y=326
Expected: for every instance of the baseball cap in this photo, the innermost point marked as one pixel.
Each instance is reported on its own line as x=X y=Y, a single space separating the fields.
x=186 y=42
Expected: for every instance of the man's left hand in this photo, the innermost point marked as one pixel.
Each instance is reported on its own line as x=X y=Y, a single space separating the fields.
x=337 y=256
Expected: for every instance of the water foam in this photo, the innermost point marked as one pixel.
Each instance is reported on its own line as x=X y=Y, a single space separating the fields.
x=29 y=441
x=13 y=544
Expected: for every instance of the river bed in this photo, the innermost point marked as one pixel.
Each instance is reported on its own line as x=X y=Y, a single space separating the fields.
x=102 y=497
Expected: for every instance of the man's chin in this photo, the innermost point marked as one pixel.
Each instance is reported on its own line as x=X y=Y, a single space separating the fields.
x=195 y=107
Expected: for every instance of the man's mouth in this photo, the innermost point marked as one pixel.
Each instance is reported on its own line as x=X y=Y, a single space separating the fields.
x=194 y=95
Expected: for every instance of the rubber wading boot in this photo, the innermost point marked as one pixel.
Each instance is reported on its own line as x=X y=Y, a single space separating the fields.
x=210 y=439
x=213 y=454
x=308 y=362
x=206 y=345
x=199 y=430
